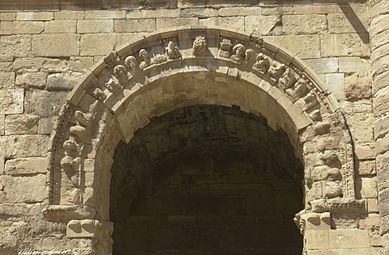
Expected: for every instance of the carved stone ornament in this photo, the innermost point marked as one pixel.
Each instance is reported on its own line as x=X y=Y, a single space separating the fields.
x=225 y=48
x=276 y=70
x=172 y=51
x=262 y=64
x=99 y=94
x=120 y=74
x=132 y=65
x=144 y=58
x=238 y=53
x=83 y=228
x=312 y=221
x=199 y=45
x=158 y=59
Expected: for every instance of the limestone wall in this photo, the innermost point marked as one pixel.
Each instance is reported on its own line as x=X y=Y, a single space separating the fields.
x=43 y=54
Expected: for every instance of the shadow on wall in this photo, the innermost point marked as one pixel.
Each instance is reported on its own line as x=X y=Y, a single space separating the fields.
x=152 y=4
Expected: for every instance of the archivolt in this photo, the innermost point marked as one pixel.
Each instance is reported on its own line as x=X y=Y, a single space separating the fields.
x=190 y=66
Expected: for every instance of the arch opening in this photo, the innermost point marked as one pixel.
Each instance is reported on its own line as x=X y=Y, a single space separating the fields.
x=208 y=179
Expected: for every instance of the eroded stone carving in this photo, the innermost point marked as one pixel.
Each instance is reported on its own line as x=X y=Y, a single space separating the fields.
x=312 y=221
x=199 y=45
x=287 y=79
x=87 y=228
x=159 y=58
x=238 y=53
x=276 y=70
x=225 y=48
x=99 y=94
x=172 y=51
x=144 y=58
x=262 y=64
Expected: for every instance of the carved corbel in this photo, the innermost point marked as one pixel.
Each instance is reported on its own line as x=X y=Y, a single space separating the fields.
x=225 y=48
x=199 y=45
x=262 y=64
x=312 y=221
x=276 y=70
x=172 y=51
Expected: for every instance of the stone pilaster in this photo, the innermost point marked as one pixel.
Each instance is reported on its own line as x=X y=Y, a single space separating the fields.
x=379 y=39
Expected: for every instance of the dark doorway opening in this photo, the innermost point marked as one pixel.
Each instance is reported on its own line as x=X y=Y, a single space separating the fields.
x=206 y=179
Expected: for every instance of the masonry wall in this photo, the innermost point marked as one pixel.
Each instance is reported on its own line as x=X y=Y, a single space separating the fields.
x=44 y=53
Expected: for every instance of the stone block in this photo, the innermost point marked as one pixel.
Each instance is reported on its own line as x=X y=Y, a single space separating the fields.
x=378 y=24
x=69 y=15
x=21 y=65
x=264 y=25
x=31 y=80
x=94 y=26
x=11 y=101
x=7 y=15
x=364 y=152
x=131 y=26
x=335 y=45
x=381 y=103
x=304 y=46
x=96 y=44
x=105 y=14
x=304 y=24
x=367 y=186
x=38 y=15
x=25 y=146
x=353 y=64
x=26 y=166
x=382 y=145
x=372 y=205
x=7 y=80
x=15 y=46
x=82 y=228
x=379 y=39
x=316 y=239
x=235 y=23
x=198 y=13
x=44 y=103
x=55 y=45
x=366 y=167
x=60 y=26
x=27 y=189
x=357 y=86
x=62 y=81
x=323 y=65
x=239 y=11
x=21 y=27
x=339 y=23
x=162 y=13
x=381 y=128
x=46 y=125
x=2 y=124
x=348 y=238
x=21 y=124
x=80 y=63
x=335 y=83
x=169 y=22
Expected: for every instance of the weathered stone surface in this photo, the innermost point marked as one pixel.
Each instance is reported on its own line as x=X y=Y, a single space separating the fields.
x=339 y=23
x=7 y=16
x=91 y=45
x=168 y=13
x=11 y=101
x=333 y=45
x=2 y=126
x=105 y=14
x=7 y=80
x=35 y=15
x=69 y=15
x=366 y=167
x=62 y=81
x=44 y=103
x=348 y=238
x=26 y=166
x=367 y=187
x=46 y=125
x=308 y=45
x=264 y=25
x=29 y=189
x=60 y=26
x=141 y=25
x=31 y=80
x=48 y=44
x=21 y=124
x=381 y=128
x=94 y=26
x=21 y=65
x=15 y=46
x=234 y=23
x=24 y=146
x=357 y=86
x=22 y=27
x=169 y=22
x=335 y=83
x=304 y=24
x=353 y=64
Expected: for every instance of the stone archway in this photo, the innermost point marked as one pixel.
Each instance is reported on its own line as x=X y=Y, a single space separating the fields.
x=139 y=82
